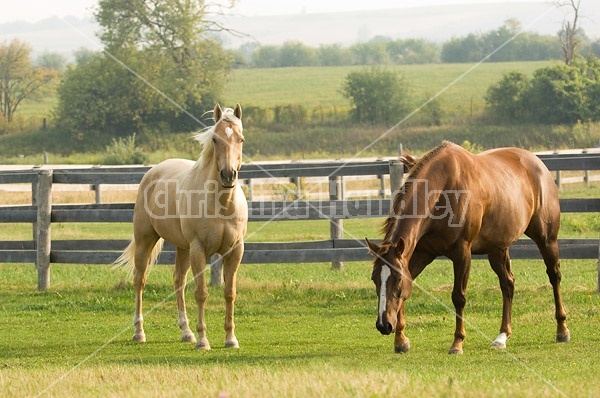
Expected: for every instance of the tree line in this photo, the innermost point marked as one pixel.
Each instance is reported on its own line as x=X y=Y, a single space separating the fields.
x=514 y=44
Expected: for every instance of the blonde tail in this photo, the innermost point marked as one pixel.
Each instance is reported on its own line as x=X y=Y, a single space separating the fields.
x=126 y=261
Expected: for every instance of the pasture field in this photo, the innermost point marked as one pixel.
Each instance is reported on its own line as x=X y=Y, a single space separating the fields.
x=304 y=330
x=322 y=86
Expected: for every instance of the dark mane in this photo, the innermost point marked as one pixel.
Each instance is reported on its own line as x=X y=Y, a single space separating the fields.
x=390 y=222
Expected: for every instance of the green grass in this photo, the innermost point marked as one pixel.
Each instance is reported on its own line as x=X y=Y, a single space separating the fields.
x=322 y=86
x=304 y=330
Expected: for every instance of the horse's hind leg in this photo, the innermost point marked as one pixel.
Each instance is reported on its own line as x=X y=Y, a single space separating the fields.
x=549 y=251
x=231 y=262
x=182 y=265
x=500 y=263
x=143 y=249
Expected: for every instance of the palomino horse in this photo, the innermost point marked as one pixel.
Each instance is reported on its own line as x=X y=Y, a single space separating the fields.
x=457 y=204
x=200 y=208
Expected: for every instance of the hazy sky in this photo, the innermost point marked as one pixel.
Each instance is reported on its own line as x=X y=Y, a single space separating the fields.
x=35 y=10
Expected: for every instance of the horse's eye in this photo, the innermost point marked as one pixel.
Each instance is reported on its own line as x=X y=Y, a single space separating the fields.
x=214 y=139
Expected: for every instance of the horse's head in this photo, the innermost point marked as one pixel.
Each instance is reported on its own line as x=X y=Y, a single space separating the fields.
x=228 y=140
x=393 y=283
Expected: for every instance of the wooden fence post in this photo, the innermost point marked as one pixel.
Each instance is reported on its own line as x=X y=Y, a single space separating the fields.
x=396 y=177
x=381 y=186
x=336 y=225
x=44 y=212
x=248 y=183
x=298 y=184
x=557 y=180
x=34 y=202
x=216 y=270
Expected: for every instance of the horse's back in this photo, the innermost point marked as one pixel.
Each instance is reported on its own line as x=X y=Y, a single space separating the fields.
x=520 y=194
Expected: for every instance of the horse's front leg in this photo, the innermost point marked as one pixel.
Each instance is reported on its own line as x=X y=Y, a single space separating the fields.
x=462 y=267
x=198 y=263
x=182 y=265
x=401 y=342
x=231 y=262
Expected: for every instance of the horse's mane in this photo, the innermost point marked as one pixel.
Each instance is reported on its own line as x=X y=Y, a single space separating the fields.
x=416 y=165
x=204 y=137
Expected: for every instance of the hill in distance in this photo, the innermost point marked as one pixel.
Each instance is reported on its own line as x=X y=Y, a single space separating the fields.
x=437 y=23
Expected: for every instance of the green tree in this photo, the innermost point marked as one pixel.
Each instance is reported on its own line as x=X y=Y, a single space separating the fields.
x=294 y=53
x=267 y=57
x=377 y=95
x=51 y=60
x=558 y=94
x=159 y=67
x=371 y=53
x=333 y=55
x=413 y=51
x=19 y=80
x=505 y=99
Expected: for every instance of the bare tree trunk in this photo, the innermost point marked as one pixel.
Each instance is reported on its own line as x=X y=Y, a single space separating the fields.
x=568 y=33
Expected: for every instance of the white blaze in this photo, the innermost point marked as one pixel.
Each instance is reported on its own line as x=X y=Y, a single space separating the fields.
x=385 y=274
x=228 y=131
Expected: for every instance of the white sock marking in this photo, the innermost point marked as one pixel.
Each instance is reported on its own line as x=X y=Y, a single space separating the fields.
x=385 y=274
x=500 y=341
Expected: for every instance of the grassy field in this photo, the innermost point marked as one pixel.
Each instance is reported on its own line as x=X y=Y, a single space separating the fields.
x=304 y=330
x=322 y=86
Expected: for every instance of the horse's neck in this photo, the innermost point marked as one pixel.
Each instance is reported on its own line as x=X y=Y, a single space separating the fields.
x=419 y=201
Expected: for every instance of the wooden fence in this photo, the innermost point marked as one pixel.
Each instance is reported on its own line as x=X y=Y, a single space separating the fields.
x=43 y=251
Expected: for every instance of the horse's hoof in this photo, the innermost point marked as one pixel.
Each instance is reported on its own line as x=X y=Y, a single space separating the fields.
x=402 y=348
x=498 y=345
x=188 y=338
x=563 y=338
x=139 y=338
x=203 y=346
x=455 y=351
x=232 y=344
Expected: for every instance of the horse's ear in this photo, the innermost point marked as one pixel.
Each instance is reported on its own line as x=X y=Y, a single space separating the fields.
x=237 y=112
x=399 y=247
x=217 y=113
x=373 y=248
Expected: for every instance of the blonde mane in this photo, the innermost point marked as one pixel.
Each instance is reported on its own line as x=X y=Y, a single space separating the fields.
x=204 y=137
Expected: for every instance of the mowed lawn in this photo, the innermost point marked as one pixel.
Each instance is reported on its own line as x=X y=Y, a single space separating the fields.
x=304 y=330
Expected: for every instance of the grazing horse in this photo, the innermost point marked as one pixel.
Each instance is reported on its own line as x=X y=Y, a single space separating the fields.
x=200 y=208
x=456 y=204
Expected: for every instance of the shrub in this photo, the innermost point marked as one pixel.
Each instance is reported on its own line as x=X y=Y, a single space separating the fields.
x=377 y=95
x=123 y=151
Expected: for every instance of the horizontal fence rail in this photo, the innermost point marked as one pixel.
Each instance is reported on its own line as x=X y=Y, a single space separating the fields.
x=42 y=213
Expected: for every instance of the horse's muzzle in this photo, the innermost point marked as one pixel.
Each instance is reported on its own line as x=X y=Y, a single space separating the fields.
x=228 y=178
x=384 y=327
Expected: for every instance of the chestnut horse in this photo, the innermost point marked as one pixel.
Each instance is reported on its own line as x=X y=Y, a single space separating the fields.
x=200 y=208
x=456 y=204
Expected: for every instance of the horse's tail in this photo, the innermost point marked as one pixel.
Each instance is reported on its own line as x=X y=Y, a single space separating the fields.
x=127 y=260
